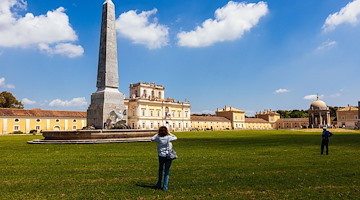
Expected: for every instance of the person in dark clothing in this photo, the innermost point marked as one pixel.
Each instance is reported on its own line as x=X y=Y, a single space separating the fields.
x=325 y=141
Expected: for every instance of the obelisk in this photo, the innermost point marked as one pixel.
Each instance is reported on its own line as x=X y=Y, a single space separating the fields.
x=107 y=98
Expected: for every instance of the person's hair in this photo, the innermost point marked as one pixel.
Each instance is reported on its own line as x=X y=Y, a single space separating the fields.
x=163 y=131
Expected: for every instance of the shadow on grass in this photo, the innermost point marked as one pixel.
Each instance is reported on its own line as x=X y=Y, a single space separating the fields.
x=147 y=185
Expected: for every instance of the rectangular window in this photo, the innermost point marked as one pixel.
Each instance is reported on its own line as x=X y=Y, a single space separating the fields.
x=133 y=125
x=16 y=128
x=143 y=112
x=179 y=113
x=158 y=124
x=186 y=114
x=343 y=117
x=74 y=127
x=143 y=125
x=356 y=117
x=37 y=128
x=151 y=113
x=152 y=125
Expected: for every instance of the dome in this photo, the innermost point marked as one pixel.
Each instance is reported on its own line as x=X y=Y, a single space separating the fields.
x=318 y=104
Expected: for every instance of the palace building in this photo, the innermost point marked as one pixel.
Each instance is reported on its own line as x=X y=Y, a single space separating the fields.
x=26 y=121
x=347 y=117
x=148 y=109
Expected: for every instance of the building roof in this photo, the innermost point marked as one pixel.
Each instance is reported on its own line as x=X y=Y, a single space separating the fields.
x=318 y=104
x=267 y=112
x=229 y=108
x=209 y=118
x=302 y=120
x=349 y=108
x=11 y=112
x=255 y=120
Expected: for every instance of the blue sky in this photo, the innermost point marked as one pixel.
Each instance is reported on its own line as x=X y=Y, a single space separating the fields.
x=251 y=55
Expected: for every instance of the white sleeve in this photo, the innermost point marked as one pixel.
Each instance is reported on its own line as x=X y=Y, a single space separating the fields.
x=172 y=137
x=155 y=138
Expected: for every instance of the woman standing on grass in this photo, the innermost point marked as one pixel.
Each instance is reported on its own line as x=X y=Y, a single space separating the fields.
x=163 y=139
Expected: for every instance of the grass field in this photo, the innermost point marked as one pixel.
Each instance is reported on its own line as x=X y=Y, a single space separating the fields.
x=273 y=164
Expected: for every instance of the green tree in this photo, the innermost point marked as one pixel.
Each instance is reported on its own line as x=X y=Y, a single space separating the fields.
x=7 y=100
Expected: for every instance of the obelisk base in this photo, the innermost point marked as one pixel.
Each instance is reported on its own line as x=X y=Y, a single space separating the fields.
x=102 y=103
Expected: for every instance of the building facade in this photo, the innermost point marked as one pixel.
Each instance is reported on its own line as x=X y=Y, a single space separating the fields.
x=269 y=116
x=236 y=116
x=36 y=120
x=347 y=117
x=148 y=109
x=292 y=123
x=319 y=114
x=203 y=123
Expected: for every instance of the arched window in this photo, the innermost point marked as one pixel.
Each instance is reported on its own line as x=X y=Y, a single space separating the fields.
x=56 y=128
x=152 y=94
x=159 y=94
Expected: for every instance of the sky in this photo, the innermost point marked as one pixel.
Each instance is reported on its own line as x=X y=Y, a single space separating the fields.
x=251 y=55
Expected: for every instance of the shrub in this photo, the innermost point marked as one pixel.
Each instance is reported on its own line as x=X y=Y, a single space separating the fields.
x=17 y=132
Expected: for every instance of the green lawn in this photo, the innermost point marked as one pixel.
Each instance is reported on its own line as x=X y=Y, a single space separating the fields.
x=274 y=164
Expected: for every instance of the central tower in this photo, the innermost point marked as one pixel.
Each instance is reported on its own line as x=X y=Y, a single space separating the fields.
x=107 y=98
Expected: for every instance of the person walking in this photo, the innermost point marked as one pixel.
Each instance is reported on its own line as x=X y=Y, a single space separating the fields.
x=325 y=141
x=164 y=145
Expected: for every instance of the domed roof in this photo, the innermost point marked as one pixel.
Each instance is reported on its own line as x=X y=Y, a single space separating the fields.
x=318 y=104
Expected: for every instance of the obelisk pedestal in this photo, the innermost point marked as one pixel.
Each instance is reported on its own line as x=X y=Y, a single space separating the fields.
x=107 y=98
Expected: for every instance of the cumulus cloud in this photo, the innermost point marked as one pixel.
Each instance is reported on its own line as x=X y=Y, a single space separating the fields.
x=281 y=90
x=29 y=31
x=350 y=14
x=27 y=101
x=313 y=97
x=3 y=84
x=75 y=102
x=335 y=95
x=326 y=45
x=230 y=23
x=140 y=30
x=66 y=49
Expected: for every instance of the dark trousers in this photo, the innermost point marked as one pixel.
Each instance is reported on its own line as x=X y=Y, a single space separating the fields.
x=325 y=143
x=164 y=167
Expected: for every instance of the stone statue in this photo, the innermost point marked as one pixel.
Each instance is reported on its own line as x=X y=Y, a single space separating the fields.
x=116 y=120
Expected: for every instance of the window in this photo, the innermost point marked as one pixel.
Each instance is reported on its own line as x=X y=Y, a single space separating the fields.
x=37 y=128
x=186 y=114
x=133 y=125
x=356 y=117
x=56 y=128
x=174 y=125
x=74 y=120
x=179 y=125
x=173 y=113
x=74 y=127
x=143 y=112
x=179 y=113
x=158 y=124
x=57 y=121
x=16 y=128
x=152 y=125
x=159 y=94
x=158 y=113
x=343 y=117
x=16 y=120
x=38 y=120
x=143 y=125
x=186 y=125
x=151 y=113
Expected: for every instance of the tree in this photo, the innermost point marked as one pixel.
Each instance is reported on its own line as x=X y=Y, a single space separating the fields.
x=7 y=100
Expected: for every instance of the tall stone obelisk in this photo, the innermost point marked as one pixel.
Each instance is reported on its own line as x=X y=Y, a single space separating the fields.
x=107 y=98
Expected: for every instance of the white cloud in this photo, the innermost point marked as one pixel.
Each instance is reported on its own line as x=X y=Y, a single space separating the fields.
x=27 y=101
x=4 y=85
x=335 y=95
x=230 y=23
x=75 y=102
x=326 y=45
x=137 y=28
x=66 y=49
x=349 y=14
x=281 y=90
x=31 y=31
x=312 y=97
